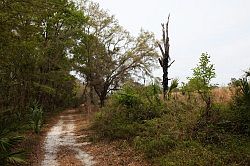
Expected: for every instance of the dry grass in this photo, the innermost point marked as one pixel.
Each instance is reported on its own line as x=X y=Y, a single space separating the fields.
x=219 y=95
x=222 y=95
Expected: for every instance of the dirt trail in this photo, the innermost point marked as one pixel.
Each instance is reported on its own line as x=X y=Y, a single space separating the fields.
x=66 y=143
x=61 y=147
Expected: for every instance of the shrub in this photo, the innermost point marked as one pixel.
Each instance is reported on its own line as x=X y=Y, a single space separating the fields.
x=191 y=152
x=128 y=97
x=140 y=103
x=7 y=154
x=174 y=132
x=36 y=117
x=127 y=110
x=213 y=129
x=114 y=124
x=155 y=146
x=241 y=106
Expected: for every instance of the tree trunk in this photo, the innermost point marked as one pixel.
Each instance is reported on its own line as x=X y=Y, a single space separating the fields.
x=208 y=107
x=102 y=98
x=165 y=60
x=165 y=77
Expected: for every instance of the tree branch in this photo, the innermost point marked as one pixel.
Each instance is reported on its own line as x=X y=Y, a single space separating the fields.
x=171 y=63
x=160 y=61
x=162 y=52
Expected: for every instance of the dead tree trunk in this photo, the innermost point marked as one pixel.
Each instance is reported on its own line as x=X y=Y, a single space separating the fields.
x=165 y=61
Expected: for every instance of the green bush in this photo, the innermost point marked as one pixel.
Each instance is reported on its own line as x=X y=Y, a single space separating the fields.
x=141 y=103
x=155 y=146
x=174 y=132
x=114 y=124
x=128 y=98
x=127 y=110
x=241 y=107
x=191 y=152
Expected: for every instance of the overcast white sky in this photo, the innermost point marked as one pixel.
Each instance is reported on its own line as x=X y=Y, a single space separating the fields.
x=219 y=27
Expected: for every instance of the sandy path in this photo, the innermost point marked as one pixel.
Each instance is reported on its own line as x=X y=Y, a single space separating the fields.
x=66 y=143
x=61 y=147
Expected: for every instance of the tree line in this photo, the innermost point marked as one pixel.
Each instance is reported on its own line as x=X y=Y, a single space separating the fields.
x=43 y=42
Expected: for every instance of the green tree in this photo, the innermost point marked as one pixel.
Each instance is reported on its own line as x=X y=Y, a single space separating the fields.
x=60 y=29
x=201 y=80
x=35 y=62
x=110 y=55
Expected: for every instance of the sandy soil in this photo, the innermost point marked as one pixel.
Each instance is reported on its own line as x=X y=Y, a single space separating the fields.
x=65 y=142
x=61 y=147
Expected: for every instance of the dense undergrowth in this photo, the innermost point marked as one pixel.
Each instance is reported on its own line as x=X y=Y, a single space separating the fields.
x=176 y=132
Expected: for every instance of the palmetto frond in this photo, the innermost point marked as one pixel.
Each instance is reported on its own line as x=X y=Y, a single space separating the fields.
x=174 y=84
x=7 y=144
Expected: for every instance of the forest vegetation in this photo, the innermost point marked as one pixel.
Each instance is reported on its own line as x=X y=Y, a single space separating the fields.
x=59 y=54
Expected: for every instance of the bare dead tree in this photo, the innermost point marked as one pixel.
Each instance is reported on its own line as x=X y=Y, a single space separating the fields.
x=165 y=61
